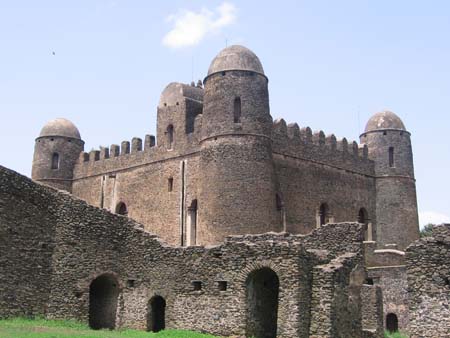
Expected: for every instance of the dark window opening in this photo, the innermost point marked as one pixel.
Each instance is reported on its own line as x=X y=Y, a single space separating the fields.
x=197 y=285
x=446 y=281
x=391 y=156
x=121 y=209
x=156 y=314
x=324 y=214
x=103 y=294
x=262 y=287
x=384 y=132
x=369 y=281
x=55 y=161
x=392 y=322
x=169 y=133
x=131 y=283
x=279 y=202
x=222 y=285
x=237 y=110
x=170 y=184
x=362 y=216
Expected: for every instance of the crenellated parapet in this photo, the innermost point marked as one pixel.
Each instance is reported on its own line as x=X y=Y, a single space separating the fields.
x=303 y=143
x=124 y=156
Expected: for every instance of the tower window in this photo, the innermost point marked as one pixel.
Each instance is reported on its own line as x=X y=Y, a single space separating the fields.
x=324 y=214
x=237 y=110
x=55 y=161
x=169 y=133
x=197 y=285
x=391 y=157
x=170 y=184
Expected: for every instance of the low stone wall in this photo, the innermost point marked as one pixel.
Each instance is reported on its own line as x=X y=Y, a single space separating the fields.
x=428 y=273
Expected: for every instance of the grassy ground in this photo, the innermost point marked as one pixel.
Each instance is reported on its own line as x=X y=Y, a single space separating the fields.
x=387 y=334
x=39 y=328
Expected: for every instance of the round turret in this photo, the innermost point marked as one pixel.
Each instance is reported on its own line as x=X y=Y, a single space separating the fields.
x=236 y=150
x=389 y=146
x=55 y=153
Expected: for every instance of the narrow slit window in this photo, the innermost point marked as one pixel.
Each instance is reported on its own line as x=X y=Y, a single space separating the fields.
x=55 y=161
x=170 y=184
x=169 y=136
x=237 y=110
x=391 y=157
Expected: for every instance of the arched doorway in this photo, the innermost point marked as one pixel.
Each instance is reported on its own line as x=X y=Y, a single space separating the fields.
x=156 y=314
x=392 y=322
x=103 y=294
x=262 y=288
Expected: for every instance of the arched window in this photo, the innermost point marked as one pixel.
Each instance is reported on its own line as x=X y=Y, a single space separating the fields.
x=169 y=133
x=262 y=287
x=391 y=322
x=324 y=214
x=103 y=294
x=391 y=157
x=363 y=216
x=237 y=110
x=55 y=161
x=192 y=224
x=121 y=209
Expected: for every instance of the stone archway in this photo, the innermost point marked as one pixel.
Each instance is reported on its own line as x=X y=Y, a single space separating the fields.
x=262 y=288
x=156 y=314
x=391 y=322
x=103 y=295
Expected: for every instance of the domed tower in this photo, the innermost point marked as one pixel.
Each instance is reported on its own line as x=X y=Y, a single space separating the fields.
x=237 y=193
x=389 y=145
x=56 y=151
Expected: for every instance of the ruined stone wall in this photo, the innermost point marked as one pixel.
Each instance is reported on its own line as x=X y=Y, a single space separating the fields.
x=372 y=311
x=27 y=226
x=88 y=242
x=428 y=273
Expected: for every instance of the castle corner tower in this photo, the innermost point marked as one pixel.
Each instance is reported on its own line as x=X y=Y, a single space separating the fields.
x=237 y=193
x=56 y=151
x=389 y=145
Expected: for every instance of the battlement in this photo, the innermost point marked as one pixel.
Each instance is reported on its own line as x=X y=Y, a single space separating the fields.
x=303 y=143
x=128 y=155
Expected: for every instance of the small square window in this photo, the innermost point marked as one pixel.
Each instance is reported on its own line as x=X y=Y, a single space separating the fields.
x=131 y=283
x=222 y=285
x=197 y=285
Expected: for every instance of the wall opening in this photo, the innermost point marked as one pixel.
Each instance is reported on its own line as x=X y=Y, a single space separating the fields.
x=121 y=209
x=170 y=184
x=169 y=133
x=324 y=214
x=391 y=157
x=55 y=161
x=103 y=294
x=156 y=314
x=222 y=285
x=363 y=218
x=192 y=224
x=262 y=287
x=237 y=110
x=391 y=322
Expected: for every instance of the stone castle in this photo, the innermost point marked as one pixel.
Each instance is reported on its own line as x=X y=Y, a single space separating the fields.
x=236 y=224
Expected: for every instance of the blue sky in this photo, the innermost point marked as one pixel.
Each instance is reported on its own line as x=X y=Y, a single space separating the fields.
x=331 y=65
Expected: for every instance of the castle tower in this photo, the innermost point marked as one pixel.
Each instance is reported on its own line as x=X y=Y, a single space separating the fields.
x=237 y=192
x=56 y=151
x=389 y=145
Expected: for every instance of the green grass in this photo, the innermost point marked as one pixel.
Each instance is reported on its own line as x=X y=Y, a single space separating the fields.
x=387 y=334
x=40 y=328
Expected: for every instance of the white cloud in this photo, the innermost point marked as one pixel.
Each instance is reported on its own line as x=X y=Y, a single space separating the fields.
x=190 y=28
x=427 y=217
